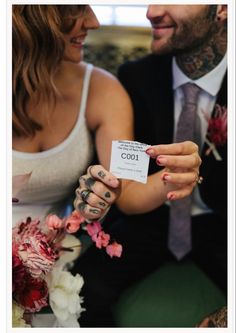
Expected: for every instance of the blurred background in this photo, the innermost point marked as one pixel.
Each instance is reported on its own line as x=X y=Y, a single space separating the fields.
x=124 y=34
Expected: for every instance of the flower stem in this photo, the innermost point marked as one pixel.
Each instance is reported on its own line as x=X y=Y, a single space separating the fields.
x=212 y=148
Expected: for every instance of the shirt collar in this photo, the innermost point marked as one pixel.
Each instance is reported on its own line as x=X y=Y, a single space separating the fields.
x=207 y=82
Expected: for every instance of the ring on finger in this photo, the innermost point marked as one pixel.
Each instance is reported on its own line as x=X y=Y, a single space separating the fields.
x=89 y=169
x=199 y=179
x=85 y=194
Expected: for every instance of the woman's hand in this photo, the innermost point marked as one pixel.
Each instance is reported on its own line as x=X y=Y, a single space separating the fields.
x=98 y=189
x=181 y=163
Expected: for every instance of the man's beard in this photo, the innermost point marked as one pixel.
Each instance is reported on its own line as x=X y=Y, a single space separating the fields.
x=191 y=35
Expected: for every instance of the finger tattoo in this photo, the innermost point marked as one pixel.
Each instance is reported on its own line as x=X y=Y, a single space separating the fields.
x=81 y=206
x=85 y=194
x=102 y=204
x=107 y=195
x=101 y=174
x=90 y=182
x=94 y=211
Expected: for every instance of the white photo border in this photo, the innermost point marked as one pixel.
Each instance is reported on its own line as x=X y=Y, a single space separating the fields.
x=5 y=132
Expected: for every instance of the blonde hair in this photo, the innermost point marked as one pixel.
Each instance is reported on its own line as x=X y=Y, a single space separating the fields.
x=38 y=49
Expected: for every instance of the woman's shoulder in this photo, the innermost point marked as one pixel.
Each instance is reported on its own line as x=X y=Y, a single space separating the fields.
x=103 y=82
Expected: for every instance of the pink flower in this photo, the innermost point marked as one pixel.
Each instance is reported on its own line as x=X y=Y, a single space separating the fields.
x=217 y=129
x=114 y=250
x=101 y=239
x=54 y=222
x=93 y=228
x=33 y=248
x=74 y=221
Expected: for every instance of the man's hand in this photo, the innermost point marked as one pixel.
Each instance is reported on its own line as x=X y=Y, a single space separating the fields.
x=181 y=163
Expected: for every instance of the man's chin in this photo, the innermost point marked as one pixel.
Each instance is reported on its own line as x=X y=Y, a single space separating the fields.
x=158 y=49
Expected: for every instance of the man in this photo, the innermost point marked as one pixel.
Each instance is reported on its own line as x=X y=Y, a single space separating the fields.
x=189 y=44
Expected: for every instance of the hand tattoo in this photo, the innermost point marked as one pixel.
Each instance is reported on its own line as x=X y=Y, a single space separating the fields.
x=101 y=174
x=89 y=182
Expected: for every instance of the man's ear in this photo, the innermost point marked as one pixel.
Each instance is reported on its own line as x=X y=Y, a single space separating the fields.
x=222 y=12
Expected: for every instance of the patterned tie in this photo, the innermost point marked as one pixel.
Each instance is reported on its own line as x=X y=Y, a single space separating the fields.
x=179 y=241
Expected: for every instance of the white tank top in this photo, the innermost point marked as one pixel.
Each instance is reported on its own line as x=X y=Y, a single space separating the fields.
x=55 y=172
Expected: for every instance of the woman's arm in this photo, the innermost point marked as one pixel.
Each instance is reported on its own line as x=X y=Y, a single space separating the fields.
x=110 y=116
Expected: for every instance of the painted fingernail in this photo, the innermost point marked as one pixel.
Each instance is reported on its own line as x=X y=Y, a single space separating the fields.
x=166 y=176
x=114 y=182
x=170 y=196
x=150 y=151
x=161 y=160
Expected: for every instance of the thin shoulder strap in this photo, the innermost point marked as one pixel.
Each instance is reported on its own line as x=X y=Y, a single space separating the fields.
x=85 y=89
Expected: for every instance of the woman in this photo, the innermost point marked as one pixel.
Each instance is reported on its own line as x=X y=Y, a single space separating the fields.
x=59 y=102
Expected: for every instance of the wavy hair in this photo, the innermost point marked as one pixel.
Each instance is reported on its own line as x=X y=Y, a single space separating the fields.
x=38 y=48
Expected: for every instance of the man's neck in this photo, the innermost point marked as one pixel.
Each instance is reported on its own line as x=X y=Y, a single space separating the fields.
x=201 y=61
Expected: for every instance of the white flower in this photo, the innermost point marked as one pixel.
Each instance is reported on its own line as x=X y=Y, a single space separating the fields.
x=64 y=299
x=17 y=316
x=72 y=243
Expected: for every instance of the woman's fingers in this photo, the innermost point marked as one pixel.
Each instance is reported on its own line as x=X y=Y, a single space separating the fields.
x=100 y=173
x=86 y=210
x=97 y=191
x=92 y=199
x=108 y=194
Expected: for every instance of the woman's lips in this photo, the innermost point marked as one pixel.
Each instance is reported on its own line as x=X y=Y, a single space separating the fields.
x=78 y=41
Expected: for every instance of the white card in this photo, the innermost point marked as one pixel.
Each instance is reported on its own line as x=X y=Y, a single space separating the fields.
x=129 y=160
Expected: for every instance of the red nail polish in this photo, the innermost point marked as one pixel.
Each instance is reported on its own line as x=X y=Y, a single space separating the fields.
x=164 y=176
x=171 y=196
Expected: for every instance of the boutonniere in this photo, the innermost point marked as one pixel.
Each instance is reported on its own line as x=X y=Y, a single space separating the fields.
x=217 y=131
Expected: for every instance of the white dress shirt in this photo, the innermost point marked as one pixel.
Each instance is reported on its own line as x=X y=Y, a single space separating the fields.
x=210 y=85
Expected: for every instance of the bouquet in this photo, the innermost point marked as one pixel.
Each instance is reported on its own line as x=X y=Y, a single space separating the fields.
x=42 y=251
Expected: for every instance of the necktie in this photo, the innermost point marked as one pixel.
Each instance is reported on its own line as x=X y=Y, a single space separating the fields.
x=179 y=241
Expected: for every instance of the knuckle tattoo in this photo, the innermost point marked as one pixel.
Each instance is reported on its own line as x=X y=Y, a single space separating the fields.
x=85 y=194
x=82 y=206
x=89 y=182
